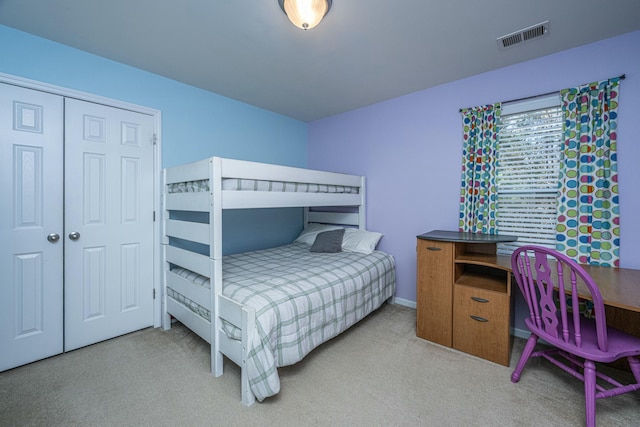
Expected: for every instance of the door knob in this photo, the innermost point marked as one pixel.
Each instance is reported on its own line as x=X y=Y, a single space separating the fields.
x=74 y=235
x=53 y=237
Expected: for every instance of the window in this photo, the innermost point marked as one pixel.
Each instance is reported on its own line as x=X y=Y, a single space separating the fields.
x=529 y=155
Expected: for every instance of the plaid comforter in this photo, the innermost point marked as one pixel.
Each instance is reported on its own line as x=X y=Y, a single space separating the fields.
x=302 y=299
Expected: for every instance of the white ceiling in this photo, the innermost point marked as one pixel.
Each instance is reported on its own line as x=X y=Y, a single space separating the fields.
x=365 y=51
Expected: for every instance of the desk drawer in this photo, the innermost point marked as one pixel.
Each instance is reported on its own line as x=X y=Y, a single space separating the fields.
x=481 y=323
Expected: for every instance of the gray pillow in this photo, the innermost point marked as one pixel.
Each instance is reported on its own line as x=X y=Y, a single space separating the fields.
x=328 y=241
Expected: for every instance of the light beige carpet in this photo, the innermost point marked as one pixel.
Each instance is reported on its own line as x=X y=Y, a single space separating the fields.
x=376 y=374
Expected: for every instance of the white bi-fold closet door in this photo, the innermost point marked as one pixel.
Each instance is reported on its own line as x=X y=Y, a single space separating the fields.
x=76 y=223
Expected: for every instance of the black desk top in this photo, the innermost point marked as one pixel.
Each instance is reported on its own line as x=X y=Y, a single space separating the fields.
x=456 y=236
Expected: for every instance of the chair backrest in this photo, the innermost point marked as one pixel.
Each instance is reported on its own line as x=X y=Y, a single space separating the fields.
x=540 y=273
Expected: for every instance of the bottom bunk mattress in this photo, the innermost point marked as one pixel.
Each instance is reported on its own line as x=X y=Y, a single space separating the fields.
x=301 y=299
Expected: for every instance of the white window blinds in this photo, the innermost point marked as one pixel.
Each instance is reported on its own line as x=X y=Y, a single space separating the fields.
x=529 y=155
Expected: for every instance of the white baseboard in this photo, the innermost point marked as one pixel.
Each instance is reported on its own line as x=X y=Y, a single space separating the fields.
x=405 y=302
x=520 y=333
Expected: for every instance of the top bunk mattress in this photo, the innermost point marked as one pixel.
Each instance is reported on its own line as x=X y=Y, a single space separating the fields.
x=241 y=184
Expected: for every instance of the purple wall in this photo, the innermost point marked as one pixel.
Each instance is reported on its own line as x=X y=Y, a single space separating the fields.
x=409 y=148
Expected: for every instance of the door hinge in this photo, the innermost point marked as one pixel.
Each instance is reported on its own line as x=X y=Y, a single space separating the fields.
x=154 y=294
x=154 y=216
x=155 y=139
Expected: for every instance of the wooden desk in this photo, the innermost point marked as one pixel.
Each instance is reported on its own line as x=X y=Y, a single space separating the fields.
x=446 y=261
x=463 y=296
x=620 y=287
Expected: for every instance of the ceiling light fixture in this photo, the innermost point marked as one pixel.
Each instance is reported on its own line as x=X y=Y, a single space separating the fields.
x=305 y=14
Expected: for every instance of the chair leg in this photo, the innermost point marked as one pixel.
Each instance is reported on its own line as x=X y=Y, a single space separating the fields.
x=524 y=357
x=590 y=392
x=634 y=365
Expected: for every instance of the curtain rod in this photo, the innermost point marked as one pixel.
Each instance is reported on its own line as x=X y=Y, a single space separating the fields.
x=621 y=77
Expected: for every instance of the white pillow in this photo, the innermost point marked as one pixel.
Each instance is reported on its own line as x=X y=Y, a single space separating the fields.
x=310 y=232
x=363 y=241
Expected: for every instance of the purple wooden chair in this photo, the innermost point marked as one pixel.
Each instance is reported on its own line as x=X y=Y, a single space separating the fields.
x=548 y=280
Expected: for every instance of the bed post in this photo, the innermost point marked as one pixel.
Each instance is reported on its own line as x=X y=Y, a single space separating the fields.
x=215 y=253
x=362 y=209
x=166 y=318
x=248 y=325
x=305 y=217
x=215 y=321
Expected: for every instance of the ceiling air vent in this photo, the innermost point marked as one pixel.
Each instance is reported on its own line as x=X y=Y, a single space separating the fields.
x=524 y=35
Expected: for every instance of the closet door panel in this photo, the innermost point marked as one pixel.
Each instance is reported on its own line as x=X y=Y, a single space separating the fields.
x=109 y=204
x=31 y=221
x=94 y=287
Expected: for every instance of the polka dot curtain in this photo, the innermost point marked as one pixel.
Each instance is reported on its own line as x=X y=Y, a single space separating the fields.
x=588 y=227
x=478 y=197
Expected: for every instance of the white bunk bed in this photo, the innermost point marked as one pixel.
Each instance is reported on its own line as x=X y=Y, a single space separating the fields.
x=193 y=282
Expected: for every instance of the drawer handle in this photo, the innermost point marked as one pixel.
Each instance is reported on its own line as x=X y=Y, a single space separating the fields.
x=433 y=248
x=479 y=319
x=478 y=299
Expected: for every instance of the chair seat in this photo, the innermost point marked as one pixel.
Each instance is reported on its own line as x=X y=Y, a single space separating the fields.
x=620 y=344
